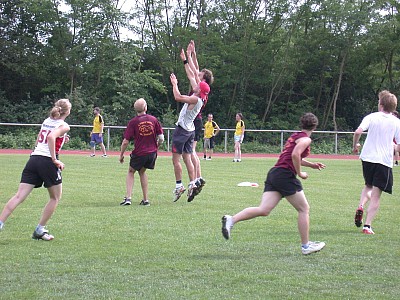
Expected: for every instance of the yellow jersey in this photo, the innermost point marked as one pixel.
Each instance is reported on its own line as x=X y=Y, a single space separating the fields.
x=209 y=128
x=239 y=127
x=97 y=122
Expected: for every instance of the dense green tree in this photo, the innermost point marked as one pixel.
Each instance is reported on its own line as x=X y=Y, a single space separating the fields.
x=271 y=60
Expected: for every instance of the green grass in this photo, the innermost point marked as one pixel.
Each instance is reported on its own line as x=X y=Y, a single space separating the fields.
x=176 y=250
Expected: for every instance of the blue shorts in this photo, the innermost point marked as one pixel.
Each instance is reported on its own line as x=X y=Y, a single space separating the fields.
x=237 y=138
x=182 y=141
x=96 y=138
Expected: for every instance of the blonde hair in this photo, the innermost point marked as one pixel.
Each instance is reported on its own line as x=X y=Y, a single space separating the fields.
x=61 y=108
x=388 y=101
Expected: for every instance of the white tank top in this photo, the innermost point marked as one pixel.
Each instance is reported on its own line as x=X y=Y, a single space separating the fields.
x=186 y=116
x=42 y=148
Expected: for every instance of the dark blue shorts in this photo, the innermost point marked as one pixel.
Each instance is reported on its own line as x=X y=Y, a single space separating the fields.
x=41 y=170
x=283 y=181
x=182 y=140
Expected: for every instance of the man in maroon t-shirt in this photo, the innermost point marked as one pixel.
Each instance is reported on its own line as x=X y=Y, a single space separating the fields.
x=147 y=134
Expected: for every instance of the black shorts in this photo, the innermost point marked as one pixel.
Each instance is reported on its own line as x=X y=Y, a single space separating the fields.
x=378 y=175
x=40 y=170
x=182 y=140
x=146 y=161
x=198 y=128
x=283 y=181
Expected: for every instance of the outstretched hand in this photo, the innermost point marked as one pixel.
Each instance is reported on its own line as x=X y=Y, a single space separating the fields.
x=173 y=79
x=319 y=166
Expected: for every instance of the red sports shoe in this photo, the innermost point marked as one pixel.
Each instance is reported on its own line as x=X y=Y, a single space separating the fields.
x=358 y=217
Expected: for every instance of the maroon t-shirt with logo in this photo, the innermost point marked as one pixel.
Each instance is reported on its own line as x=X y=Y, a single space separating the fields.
x=143 y=130
x=285 y=159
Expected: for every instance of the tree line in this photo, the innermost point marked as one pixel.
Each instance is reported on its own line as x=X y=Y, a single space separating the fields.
x=272 y=60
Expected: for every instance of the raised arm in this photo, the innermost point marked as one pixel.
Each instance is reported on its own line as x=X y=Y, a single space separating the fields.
x=177 y=94
x=189 y=72
x=192 y=61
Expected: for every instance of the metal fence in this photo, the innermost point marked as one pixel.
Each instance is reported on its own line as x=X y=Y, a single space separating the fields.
x=113 y=135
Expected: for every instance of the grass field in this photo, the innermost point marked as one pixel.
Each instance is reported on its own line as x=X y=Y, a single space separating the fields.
x=176 y=250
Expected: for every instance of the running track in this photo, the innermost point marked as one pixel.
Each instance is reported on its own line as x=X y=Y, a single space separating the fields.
x=163 y=153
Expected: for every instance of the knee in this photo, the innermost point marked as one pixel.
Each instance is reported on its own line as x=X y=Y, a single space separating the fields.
x=264 y=213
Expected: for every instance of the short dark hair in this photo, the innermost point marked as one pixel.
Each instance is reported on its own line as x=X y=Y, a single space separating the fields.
x=308 y=121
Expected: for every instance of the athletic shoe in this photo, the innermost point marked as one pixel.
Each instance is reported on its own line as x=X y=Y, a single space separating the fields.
x=145 y=203
x=202 y=181
x=92 y=155
x=313 y=247
x=178 y=192
x=199 y=183
x=45 y=236
x=359 y=216
x=104 y=156
x=125 y=202
x=227 y=224
x=193 y=190
x=238 y=160
x=367 y=230
x=1 y=226
x=234 y=160
x=208 y=158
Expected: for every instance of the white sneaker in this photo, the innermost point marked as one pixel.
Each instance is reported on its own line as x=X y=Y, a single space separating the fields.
x=367 y=230
x=104 y=156
x=227 y=224
x=1 y=226
x=178 y=192
x=313 y=247
x=43 y=236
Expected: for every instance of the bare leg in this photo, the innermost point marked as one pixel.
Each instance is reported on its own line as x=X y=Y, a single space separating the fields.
x=23 y=192
x=196 y=161
x=299 y=202
x=55 y=193
x=365 y=195
x=187 y=158
x=103 y=148
x=238 y=153
x=130 y=179
x=268 y=201
x=144 y=183
x=373 y=207
x=177 y=165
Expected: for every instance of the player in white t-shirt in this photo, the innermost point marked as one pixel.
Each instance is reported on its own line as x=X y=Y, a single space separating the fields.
x=44 y=168
x=376 y=156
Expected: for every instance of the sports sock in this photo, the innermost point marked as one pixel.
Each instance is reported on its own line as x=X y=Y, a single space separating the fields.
x=39 y=229
x=305 y=246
